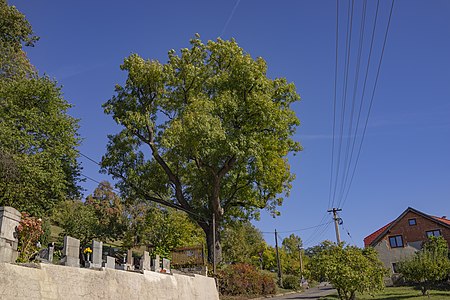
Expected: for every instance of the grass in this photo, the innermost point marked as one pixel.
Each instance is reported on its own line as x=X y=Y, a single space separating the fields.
x=400 y=293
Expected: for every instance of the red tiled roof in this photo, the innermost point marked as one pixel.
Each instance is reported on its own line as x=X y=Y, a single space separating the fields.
x=443 y=220
x=370 y=238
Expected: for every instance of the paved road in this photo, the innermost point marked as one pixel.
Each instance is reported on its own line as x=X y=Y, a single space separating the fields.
x=311 y=294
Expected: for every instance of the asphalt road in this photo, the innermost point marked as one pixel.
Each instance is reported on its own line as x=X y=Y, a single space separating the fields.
x=311 y=294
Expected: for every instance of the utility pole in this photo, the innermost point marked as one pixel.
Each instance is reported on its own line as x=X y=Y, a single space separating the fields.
x=214 y=243
x=280 y=279
x=336 y=223
x=301 y=261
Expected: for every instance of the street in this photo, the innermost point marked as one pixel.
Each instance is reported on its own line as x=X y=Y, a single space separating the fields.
x=312 y=293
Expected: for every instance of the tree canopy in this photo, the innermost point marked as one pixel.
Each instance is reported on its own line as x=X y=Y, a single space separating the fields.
x=428 y=266
x=349 y=269
x=208 y=130
x=101 y=216
x=38 y=166
x=243 y=243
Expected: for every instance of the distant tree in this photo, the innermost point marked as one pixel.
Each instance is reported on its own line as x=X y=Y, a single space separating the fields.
x=242 y=242
x=160 y=228
x=167 y=229
x=428 y=266
x=314 y=250
x=290 y=254
x=292 y=244
x=100 y=217
x=76 y=219
x=269 y=258
x=38 y=166
x=349 y=269
x=109 y=210
x=217 y=129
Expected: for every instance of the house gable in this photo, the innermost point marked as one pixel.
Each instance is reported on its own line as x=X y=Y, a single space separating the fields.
x=413 y=234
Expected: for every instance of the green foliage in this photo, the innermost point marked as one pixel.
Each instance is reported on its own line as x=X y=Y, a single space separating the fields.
x=243 y=279
x=292 y=243
x=218 y=130
x=290 y=255
x=109 y=211
x=428 y=266
x=29 y=232
x=15 y=31
x=315 y=250
x=100 y=217
x=269 y=258
x=167 y=229
x=76 y=219
x=161 y=229
x=349 y=269
x=38 y=166
x=291 y=282
x=242 y=242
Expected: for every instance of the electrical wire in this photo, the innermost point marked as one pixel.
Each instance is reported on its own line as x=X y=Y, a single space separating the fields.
x=372 y=97
x=347 y=161
x=344 y=94
x=334 y=102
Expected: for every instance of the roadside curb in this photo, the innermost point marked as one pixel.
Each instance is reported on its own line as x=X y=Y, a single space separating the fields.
x=276 y=295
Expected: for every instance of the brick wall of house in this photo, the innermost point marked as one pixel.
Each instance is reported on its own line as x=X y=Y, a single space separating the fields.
x=413 y=236
x=416 y=234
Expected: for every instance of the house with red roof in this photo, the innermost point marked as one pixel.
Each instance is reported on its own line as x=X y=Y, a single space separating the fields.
x=402 y=237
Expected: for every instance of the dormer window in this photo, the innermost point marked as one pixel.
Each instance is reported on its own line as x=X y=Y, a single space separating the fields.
x=412 y=222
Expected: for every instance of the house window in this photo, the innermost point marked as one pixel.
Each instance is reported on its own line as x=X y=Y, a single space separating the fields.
x=412 y=222
x=431 y=233
x=395 y=267
x=396 y=241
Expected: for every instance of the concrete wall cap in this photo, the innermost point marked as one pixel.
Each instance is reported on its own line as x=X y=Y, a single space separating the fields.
x=10 y=212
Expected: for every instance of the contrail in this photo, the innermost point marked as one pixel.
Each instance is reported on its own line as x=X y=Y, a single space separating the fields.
x=230 y=17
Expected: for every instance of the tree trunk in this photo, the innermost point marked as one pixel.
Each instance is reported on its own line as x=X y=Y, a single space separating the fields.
x=424 y=290
x=208 y=229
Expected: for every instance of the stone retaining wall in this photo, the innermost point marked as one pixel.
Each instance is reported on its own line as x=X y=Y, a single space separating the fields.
x=62 y=282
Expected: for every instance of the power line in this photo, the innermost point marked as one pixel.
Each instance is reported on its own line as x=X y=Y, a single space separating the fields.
x=303 y=229
x=318 y=236
x=347 y=161
x=344 y=94
x=334 y=102
x=372 y=96
x=365 y=81
x=296 y=230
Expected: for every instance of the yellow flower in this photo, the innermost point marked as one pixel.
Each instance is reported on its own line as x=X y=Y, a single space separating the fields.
x=87 y=250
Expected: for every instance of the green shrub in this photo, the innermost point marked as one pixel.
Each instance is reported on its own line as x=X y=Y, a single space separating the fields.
x=243 y=279
x=291 y=282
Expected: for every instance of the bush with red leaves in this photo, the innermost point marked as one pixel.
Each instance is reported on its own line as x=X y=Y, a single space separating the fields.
x=243 y=279
x=29 y=231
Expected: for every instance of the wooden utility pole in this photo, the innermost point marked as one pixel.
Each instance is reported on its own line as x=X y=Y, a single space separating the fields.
x=280 y=279
x=301 y=261
x=214 y=243
x=336 y=223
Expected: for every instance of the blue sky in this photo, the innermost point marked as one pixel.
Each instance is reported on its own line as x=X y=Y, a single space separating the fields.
x=405 y=156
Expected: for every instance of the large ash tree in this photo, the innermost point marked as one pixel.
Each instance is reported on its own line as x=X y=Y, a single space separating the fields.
x=208 y=130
